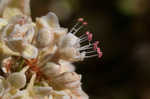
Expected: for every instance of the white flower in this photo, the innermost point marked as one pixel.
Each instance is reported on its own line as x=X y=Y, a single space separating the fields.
x=73 y=48
x=18 y=35
x=36 y=57
x=49 y=30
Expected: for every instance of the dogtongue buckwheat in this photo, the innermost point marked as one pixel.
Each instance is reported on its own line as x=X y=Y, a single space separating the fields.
x=36 y=57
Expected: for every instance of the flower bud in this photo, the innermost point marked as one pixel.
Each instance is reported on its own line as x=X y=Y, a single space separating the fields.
x=45 y=38
x=66 y=66
x=18 y=79
x=68 y=80
x=51 y=69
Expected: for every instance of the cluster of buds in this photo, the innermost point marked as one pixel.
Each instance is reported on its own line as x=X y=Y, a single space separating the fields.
x=36 y=58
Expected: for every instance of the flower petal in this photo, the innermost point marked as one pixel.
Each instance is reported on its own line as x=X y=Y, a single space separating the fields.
x=30 y=52
x=45 y=38
x=11 y=12
x=3 y=22
x=16 y=6
x=49 y=21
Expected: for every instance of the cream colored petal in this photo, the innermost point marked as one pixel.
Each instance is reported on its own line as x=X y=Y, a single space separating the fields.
x=63 y=95
x=43 y=91
x=45 y=38
x=80 y=93
x=68 y=78
x=11 y=12
x=3 y=4
x=26 y=50
x=22 y=6
x=29 y=89
x=15 y=44
x=66 y=66
x=59 y=33
x=3 y=22
x=5 y=51
x=49 y=21
x=68 y=53
x=69 y=40
x=51 y=69
x=17 y=80
x=30 y=33
x=72 y=85
x=29 y=52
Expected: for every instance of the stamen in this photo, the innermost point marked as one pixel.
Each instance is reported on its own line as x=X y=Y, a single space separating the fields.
x=77 y=30
x=99 y=52
x=78 y=26
x=90 y=36
x=87 y=36
x=85 y=23
x=96 y=45
x=80 y=20
x=92 y=49
x=87 y=33
x=86 y=46
x=82 y=36
x=90 y=52
x=91 y=56
x=83 y=40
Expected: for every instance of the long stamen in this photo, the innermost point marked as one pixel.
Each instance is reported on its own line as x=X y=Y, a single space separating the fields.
x=86 y=48
x=84 y=35
x=82 y=25
x=80 y=20
x=78 y=26
x=77 y=30
x=90 y=52
x=91 y=56
x=99 y=53
x=91 y=49
x=96 y=45
x=89 y=36
x=85 y=38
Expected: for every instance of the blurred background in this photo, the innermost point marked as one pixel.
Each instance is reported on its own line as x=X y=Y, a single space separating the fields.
x=124 y=26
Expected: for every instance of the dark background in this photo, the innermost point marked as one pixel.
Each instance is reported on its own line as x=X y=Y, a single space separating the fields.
x=123 y=26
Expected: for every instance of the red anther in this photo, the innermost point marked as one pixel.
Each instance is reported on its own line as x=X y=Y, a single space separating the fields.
x=85 y=23
x=87 y=33
x=98 y=50
x=90 y=36
x=80 y=19
x=100 y=54
x=96 y=45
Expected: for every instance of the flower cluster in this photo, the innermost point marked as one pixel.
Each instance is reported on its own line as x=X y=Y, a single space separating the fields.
x=36 y=57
